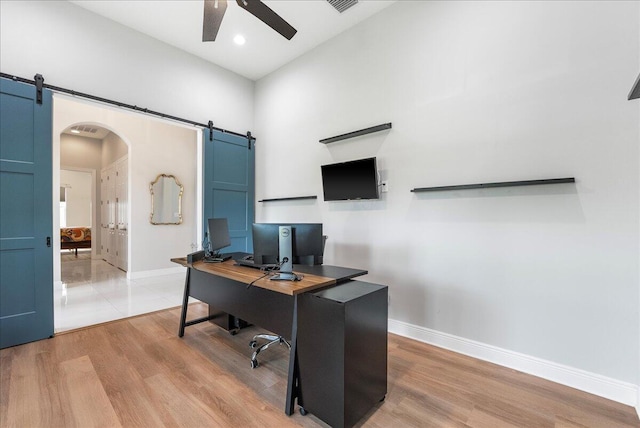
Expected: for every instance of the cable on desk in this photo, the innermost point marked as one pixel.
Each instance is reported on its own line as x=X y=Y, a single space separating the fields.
x=269 y=272
x=258 y=279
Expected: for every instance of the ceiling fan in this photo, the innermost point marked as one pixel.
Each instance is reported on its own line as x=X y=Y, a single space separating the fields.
x=214 y=12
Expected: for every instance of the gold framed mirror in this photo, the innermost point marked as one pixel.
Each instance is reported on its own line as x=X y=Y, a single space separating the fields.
x=166 y=200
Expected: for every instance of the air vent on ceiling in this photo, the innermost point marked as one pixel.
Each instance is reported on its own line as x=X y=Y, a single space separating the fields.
x=82 y=128
x=342 y=5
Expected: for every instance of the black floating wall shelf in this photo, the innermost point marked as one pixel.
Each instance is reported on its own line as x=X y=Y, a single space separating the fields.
x=295 y=198
x=499 y=184
x=357 y=133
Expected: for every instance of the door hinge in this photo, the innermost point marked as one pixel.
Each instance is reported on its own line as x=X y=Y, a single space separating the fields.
x=48 y=241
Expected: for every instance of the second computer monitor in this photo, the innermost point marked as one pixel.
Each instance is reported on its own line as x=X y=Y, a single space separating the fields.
x=307 y=243
x=218 y=234
x=265 y=243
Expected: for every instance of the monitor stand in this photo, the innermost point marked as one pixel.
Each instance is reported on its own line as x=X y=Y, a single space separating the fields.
x=286 y=255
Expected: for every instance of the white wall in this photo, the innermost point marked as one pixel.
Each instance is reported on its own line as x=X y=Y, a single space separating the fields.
x=76 y=49
x=82 y=152
x=478 y=92
x=79 y=186
x=113 y=149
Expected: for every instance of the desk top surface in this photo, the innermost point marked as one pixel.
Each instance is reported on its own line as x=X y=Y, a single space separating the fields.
x=246 y=275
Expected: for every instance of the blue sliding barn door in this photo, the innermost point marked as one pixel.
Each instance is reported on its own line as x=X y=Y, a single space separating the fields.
x=26 y=255
x=229 y=186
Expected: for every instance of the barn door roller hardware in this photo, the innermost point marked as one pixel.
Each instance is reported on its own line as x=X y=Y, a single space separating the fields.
x=39 y=81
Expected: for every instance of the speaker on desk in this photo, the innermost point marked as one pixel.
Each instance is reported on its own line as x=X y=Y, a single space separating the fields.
x=194 y=257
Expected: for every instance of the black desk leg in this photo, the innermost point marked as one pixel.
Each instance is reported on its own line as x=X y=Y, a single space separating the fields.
x=293 y=390
x=185 y=303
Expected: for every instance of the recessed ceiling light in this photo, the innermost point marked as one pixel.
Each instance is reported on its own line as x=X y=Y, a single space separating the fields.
x=239 y=39
x=75 y=131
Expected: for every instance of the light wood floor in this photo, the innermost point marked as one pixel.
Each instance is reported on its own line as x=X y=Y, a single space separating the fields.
x=137 y=372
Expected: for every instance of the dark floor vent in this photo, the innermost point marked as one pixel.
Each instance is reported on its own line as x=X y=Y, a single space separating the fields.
x=342 y=5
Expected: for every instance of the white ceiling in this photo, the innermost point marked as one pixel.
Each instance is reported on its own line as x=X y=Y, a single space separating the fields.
x=179 y=23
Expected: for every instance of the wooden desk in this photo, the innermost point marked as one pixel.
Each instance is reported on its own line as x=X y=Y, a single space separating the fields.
x=272 y=305
x=246 y=275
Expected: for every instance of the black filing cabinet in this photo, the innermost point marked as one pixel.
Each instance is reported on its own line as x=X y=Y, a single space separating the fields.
x=342 y=351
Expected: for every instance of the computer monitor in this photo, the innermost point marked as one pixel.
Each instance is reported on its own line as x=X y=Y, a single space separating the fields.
x=265 y=243
x=218 y=235
x=307 y=243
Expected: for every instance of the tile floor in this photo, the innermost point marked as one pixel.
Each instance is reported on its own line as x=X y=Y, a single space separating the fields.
x=93 y=292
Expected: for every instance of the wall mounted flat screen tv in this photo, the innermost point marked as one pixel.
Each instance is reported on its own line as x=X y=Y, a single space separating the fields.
x=356 y=179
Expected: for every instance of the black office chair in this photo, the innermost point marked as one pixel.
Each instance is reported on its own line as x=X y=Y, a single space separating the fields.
x=271 y=339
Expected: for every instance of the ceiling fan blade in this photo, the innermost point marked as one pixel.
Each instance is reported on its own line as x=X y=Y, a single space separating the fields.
x=213 y=13
x=268 y=16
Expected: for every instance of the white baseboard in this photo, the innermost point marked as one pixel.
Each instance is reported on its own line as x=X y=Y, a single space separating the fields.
x=155 y=272
x=612 y=389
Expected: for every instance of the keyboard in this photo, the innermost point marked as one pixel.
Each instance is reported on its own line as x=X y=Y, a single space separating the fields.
x=216 y=259
x=252 y=264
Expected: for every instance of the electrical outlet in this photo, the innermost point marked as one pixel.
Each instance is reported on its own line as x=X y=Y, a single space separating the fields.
x=384 y=186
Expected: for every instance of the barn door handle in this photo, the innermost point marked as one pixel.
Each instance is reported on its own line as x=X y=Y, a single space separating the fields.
x=48 y=241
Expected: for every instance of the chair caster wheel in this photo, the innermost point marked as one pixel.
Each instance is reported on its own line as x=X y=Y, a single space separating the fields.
x=253 y=344
x=254 y=364
x=303 y=411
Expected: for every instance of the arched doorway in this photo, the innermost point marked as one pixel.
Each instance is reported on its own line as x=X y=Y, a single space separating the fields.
x=93 y=220
x=100 y=217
